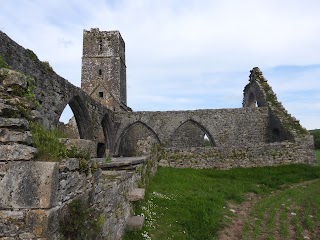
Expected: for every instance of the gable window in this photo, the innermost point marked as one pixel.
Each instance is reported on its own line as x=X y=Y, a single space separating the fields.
x=101 y=94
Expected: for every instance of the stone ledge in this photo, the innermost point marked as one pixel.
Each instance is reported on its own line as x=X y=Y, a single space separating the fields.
x=16 y=152
x=121 y=163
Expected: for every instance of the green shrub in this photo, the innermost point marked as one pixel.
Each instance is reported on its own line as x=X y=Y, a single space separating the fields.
x=50 y=148
x=47 y=142
x=81 y=222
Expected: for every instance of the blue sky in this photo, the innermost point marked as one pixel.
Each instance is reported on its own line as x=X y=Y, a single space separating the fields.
x=185 y=54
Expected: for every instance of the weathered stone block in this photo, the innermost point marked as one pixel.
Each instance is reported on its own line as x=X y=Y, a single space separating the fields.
x=8 y=110
x=7 y=135
x=70 y=164
x=14 y=123
x=87 y=146
x=135 y=223
x=13 y=78
x=27 y=235
x=16 y=152
x=29 y=185
x=11 y=222
x=136 y=194
x=43 y=222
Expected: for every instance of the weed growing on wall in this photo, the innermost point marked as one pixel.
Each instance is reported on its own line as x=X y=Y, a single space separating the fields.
x=47 y=66
x=47 y=142
x=81 y=222
x=31 y=55
x=50 y=148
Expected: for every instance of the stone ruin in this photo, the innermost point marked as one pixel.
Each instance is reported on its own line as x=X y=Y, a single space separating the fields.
x=35 y=193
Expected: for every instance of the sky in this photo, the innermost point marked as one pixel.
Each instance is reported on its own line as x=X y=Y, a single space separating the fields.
x=184 y=54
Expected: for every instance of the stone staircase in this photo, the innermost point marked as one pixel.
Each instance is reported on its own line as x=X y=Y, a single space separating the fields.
x=136 y=222
x=126 y=165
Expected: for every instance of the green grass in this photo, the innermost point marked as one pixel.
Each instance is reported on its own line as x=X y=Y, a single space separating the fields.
x=295 y=209
x=318 y=156
x=191 y=203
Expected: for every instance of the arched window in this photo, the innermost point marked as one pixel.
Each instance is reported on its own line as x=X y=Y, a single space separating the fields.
x=191 y=134
x=252 y=100
x=136 y=140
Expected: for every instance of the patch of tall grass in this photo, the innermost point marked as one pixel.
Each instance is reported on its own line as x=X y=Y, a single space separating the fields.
x=49 y=147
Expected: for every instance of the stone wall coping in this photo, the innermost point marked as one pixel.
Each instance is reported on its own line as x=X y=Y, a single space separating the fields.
x=120 y=162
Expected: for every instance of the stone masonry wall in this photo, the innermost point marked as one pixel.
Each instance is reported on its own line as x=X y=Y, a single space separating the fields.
x=54 y=92
x=35 y=197
x=252 y=155
x=221 y=125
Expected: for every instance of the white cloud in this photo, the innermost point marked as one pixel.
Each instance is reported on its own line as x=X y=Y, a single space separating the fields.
x=194 y=53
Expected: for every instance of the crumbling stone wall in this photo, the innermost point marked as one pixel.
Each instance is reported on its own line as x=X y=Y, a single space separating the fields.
x=220 y=125
x=252 y=155
x=54 y=92
x=36 y=194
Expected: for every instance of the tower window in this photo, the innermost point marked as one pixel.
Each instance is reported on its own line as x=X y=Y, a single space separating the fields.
x=100 y=72
x=101 y=94
x=100 y=45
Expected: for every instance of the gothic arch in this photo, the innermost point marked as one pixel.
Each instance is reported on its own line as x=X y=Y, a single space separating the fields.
x=190 y=134
x=131 y=134
x=105 y=136
x=253 y=96
x=81 y=115
x=252 y=101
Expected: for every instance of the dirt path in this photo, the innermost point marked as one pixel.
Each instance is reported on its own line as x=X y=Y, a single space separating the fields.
x=233 y=231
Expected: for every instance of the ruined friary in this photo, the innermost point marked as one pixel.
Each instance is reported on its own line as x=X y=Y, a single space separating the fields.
x=125 y=147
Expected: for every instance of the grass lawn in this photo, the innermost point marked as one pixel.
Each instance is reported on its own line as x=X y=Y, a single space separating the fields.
x=318 y=156
x=191 y=203
x=293 y=213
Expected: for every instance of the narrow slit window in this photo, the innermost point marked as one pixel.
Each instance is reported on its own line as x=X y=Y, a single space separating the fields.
x=100 y=47
x=101 y=94
x=100 y=72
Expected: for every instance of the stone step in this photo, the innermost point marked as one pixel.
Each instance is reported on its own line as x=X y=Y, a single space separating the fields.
x=136 y=194
x=135 y=223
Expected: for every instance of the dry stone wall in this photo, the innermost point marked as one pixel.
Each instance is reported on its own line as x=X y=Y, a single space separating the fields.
x=35 y=197
x=252 y=155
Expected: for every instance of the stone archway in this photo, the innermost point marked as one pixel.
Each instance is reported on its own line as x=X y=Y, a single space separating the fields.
x=136 y=139
x=191 y=134
x=104 y=137
x=81 y=116
x=252 y=102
